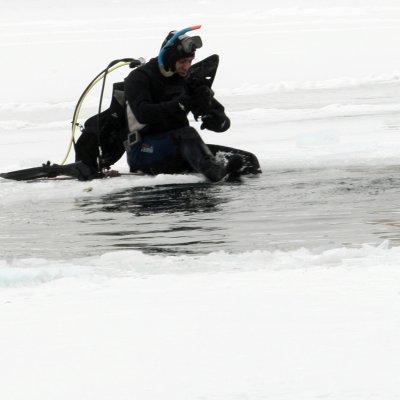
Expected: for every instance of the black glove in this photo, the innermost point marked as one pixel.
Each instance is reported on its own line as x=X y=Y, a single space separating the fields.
x=198 y=100
x=202 y=97
x=215 y=121
x=185 y=102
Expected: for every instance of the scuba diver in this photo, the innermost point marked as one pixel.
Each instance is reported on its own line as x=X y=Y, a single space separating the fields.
x=158 y=96
x=158 y=102
x=148 y=120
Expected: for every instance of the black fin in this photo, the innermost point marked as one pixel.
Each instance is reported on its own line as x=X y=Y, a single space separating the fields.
x=77 y=170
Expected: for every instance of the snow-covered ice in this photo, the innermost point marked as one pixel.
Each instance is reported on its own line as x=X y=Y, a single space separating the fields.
x=313 y=88
x=328 y=328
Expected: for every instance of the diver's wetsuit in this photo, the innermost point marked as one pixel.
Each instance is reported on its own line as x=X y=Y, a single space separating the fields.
x=165 y=142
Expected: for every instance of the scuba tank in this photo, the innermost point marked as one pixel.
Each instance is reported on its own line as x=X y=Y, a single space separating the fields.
x=83 y=168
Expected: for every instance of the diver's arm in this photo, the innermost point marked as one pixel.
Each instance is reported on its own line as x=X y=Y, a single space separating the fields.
x=137 y=92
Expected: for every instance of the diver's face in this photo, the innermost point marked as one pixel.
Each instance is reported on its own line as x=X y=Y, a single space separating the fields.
x=182 y=66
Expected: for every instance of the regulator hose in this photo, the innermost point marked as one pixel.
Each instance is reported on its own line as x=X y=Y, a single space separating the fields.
x=133 y=63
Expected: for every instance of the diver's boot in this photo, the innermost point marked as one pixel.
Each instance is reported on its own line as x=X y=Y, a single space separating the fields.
x=212 y=170
x=234 y=168
x=216 y=171
x=196 y=153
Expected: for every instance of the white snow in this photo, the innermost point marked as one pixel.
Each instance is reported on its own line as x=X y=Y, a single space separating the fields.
x=305 y=83
x=326 y=329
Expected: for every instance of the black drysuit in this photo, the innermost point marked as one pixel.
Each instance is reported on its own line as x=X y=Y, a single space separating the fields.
x=146 y=119
x=165 y=142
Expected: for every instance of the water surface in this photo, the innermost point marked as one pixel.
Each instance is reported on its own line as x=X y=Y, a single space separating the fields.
x=280 y=209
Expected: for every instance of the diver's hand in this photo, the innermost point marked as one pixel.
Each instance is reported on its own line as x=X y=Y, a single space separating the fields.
x=215 y=122
x=186 y=102
x=202 y=98
x=198 y=100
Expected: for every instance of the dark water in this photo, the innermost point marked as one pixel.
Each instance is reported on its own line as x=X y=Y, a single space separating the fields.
x=282 y=209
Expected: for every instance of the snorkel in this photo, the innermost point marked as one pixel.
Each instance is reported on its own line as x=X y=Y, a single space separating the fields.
x=169 y=44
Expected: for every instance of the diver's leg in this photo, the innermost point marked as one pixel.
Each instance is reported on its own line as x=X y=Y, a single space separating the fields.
x=87 y=149
x=198 y=155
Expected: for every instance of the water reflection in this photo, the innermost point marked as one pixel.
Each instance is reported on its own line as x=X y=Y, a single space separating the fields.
x=175 y=218
x=322 y=208
x=142 y=201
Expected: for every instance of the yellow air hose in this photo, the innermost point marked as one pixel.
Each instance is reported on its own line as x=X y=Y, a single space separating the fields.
x=80 y=102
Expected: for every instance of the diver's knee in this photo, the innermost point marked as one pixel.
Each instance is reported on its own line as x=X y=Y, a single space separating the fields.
x=187 y=132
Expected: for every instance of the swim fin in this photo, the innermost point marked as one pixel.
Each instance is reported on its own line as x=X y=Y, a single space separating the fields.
x=77 y=170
